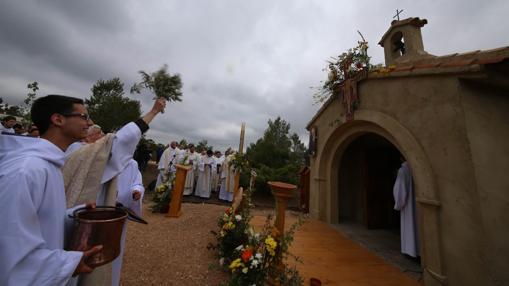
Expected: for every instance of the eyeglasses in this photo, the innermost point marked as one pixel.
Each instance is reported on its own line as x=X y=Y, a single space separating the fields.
x=83 y=116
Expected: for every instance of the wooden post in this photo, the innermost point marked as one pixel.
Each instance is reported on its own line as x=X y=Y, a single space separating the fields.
x=282 y=192
x=304 y=189
x=178 y=190
x=236 y=181
x=241 y=141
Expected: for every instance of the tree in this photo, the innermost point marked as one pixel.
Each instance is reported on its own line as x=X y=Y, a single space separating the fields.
x=161 y=83
x=33 y=87
x=183 y=143
x=109 y=108
x=276 y=156
x=203 y=145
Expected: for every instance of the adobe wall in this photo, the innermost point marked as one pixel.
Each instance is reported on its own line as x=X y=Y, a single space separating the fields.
x=425 y=118
x=487 y=125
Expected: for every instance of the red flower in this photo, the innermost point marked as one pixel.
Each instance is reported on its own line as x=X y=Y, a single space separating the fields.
x=246 y=254
x=228 y=211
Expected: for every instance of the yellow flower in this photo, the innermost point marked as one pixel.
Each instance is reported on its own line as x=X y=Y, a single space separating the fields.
x=235 y=264
x=270 y=245
x=161 y=188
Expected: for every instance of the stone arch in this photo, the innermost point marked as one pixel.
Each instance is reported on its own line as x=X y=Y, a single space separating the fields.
x=427 y=196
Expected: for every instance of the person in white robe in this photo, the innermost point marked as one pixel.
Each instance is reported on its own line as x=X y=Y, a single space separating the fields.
x=7 y=124
x=121 y=154
x=205 y=168
x=216 y=176
x=167 y=163
x=405 y=203
x=130 y=194
x=191 y=158
x=227 y=179
x=32 y=201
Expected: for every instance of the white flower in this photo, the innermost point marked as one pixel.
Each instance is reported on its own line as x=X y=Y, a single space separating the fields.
x=258 y=255
x=255 y=263
x=239 y=248
x=244 y=270
x=256 y=235
x=238 y=217
x=221 y=261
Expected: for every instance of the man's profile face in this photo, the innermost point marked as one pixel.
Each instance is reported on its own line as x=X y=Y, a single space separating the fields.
x=10 y=123
x=173 y=145
x=191 y=149
x=76 y=127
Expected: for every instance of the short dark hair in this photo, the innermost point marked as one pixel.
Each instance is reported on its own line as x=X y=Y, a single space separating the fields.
x=8 y=117
x=44 y=107
x=17 y=125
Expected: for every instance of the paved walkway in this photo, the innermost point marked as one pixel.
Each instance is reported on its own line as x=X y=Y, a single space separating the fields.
x=336 y=260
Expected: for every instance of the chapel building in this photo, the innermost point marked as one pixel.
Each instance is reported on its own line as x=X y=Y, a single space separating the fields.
x=448 y=117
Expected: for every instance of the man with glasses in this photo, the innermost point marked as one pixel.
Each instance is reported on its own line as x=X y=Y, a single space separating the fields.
x=32 y=196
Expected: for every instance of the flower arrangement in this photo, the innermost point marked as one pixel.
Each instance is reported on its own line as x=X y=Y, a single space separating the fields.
x=345 y=66
x=162 y=197
x=239 y=162
x=253 y=257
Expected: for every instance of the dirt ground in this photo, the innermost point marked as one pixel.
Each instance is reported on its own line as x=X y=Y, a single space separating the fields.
x=171 y=251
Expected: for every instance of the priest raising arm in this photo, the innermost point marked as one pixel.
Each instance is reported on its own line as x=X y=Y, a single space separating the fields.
x=32 y=200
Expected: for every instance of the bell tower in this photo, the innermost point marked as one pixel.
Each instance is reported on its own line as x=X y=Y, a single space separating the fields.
x=403 y=41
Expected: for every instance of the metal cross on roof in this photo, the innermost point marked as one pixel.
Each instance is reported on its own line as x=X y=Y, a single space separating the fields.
x=397 y=13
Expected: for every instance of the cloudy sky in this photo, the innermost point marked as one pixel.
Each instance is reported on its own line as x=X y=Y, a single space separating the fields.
x=240 y=60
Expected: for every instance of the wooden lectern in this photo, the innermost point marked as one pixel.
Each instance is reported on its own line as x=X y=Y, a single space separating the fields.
x=178 y=190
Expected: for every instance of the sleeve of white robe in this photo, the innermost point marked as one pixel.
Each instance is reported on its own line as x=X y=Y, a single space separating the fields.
x=164 y=161
x=400 y=190
x=201 y=164
x=122 y=150
x=137 y=186
x=24 y=256
x=214 y=166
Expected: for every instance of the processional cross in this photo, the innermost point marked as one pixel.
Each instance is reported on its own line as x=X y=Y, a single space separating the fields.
x=397 y=13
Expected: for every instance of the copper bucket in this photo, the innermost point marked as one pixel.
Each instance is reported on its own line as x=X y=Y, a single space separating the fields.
x=98 y=226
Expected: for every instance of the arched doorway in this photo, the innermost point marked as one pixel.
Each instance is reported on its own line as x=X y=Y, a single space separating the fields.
x=325 y=181
x=368 y=168
x=367 y=172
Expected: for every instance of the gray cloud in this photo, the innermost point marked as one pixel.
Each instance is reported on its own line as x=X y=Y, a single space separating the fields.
x=240 y=61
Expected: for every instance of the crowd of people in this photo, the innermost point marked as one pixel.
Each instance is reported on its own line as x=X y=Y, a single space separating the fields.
x=44 y=179
x=210 y=170
x=10 y=125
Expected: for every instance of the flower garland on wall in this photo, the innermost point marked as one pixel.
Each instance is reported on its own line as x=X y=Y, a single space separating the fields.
x=345 y=66
x=344 y=74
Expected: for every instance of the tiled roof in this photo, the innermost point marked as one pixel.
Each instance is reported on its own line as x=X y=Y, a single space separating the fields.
x=436 y=65
x=454 y=60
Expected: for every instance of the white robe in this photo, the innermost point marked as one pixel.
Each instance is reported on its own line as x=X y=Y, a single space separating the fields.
x=32 y=218
x=129 y=180
x=216 y=177
x=405 y=203
x=3 y=129
x=192 y=159
x=167 y=162
x=10 y=143
x=124 y=144
x=226 y=191
x=122 y=149
x=205 y=169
